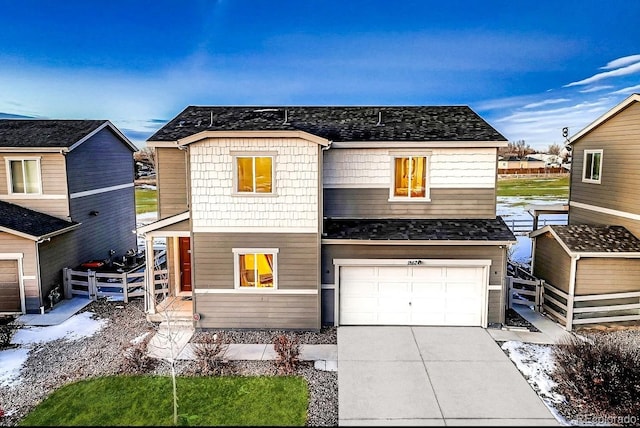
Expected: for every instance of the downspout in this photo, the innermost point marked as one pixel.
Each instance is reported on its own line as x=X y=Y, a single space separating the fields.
x=38 y=277
x=321 y=234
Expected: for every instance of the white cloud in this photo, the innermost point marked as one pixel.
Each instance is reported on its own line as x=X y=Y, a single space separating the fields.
x=628 y=90
x=621 y=62
x=595 y=89
x=546 y=102
x=624 y=71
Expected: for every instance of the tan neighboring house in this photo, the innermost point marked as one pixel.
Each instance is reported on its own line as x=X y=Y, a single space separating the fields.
x=294 y=217
x=595 y=259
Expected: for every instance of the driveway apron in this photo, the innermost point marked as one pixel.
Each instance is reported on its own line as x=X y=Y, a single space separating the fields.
x=431 y=376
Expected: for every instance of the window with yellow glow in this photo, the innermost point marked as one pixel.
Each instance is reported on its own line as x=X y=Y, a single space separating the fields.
x=256 y=270
x=255 y=174
x=410 y=177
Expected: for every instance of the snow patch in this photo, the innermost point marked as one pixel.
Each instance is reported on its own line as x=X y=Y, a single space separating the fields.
x=77 y=327
x=11 y=361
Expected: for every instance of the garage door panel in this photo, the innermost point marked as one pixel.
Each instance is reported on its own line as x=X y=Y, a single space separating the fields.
x=10 y=300
x=413 y=295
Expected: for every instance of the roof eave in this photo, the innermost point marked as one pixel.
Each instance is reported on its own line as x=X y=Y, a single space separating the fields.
x=427 y=242
x=615 y=110
x=113 y=128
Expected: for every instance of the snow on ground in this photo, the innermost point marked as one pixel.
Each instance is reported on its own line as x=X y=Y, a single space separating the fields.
x=11 y=360
x=536 y=364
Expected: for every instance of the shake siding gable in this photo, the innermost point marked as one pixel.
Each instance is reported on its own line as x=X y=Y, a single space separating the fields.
x=294 y=204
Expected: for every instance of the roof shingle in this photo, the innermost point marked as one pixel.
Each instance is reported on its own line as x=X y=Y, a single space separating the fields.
x=584 y=238
x=337 y=123
x=30 y=222
x=45 y=133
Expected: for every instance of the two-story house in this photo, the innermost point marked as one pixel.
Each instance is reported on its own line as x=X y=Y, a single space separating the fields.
x=294 y=217
x=596 y=256
x=66 y=197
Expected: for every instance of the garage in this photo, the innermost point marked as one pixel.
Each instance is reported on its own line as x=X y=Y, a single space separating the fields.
x=10 y=301
x=413 y=292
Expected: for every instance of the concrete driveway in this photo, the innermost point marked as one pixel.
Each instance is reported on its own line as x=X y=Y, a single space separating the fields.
x=431 y=376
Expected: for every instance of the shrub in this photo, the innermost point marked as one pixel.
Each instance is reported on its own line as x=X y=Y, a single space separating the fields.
x=209 y=353
x=601 y=373
x=5 y=336
x=136 y=359
x=288 y=351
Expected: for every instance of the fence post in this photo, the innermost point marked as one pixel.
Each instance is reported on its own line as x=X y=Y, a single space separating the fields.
x=537 y=296
x=92 y=288
x=509 y=292
x=66 y=283
x=125 y=287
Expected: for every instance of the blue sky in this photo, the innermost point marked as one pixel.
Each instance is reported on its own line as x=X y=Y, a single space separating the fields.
x=528 y=67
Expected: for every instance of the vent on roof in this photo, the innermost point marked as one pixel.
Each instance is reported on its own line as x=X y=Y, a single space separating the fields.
x=211 y=120
x=286 y=117
x=181 y=124
x=261 y=110
x=380 y=119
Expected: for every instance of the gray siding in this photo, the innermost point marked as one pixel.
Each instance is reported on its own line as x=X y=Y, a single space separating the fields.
x=297 y=269
x=297 y=258
x=619 y=138
x=582 y=216
x=258 y=310
x=496 y=254
x=172 y=177
x=445 y=203
x=551 y=262
x=102 y=161
x=328 y=306
x=607 y=275
x=110 y=229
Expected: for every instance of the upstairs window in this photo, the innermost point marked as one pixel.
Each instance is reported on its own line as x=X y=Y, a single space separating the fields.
x=255 y=268
x=592 y=169
x=254 y=174
x=24 y=176
x=410 y=177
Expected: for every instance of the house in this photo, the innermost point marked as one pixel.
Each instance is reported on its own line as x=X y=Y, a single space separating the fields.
x=294 y=217
x=66 y=197
x=595 y=259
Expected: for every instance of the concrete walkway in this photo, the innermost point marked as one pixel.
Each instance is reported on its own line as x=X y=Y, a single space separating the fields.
x=61 y=312
x=431 y=376
x=550 y=331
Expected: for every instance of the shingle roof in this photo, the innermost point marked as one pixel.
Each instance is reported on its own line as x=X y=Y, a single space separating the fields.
x=584 y=238
x=344 y=124
x=419 y=229
x=45 y=133
x=29 y=222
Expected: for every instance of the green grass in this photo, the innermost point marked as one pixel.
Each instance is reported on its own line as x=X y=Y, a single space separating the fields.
x=146 y=200
x=557 y=187
x=202 y=401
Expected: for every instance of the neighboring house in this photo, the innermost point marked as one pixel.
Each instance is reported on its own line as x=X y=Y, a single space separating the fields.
x=66 y=197
x=598 y=253
x=294 y=217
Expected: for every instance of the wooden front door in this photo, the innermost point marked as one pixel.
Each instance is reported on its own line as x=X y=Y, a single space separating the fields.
x=185 y=263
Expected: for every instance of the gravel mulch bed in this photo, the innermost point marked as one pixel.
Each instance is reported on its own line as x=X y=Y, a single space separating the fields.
x=54 y=364
x=326 y=336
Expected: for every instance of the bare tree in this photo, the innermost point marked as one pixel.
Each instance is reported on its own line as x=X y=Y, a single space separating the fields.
x=146 y=155
x=554 y=149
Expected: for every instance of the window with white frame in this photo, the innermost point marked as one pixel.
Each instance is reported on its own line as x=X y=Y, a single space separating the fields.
x=592 y=169
x=410 y=177
x=253 y=173
x=255 y=268
x=24 y=176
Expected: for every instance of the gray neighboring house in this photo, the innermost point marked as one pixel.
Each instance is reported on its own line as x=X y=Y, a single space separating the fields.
x=66 y=197
x=294 y=217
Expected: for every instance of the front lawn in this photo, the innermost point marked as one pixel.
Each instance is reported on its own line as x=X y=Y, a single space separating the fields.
x=146 y=200
x=202 y=401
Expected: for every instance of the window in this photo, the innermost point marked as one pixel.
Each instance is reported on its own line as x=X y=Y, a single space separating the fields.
x=254 y=174
x=255 y=269
x=409 y=177
x=592 y=169
x=24 y=176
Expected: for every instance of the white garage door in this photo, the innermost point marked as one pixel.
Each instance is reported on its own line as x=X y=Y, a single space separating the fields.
x=412 y=295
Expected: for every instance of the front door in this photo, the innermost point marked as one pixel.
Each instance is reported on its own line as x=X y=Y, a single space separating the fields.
x=185 y=263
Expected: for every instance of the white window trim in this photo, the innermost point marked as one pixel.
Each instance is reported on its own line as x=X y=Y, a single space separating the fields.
x=584 y=166
x=427 y=193
x=8 y=161
x=236 y=268
x=252 y=154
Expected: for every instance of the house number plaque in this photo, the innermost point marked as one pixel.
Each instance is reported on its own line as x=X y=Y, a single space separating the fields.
x=414 y=262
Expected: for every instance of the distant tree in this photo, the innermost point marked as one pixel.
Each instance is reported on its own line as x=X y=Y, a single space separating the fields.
x=146 y=155
x=554 y=149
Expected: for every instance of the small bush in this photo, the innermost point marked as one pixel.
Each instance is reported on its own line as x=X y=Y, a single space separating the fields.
x=209 y=353
x=600 y=373
x=288 y=351
x=5 y=336
x=136 y=360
